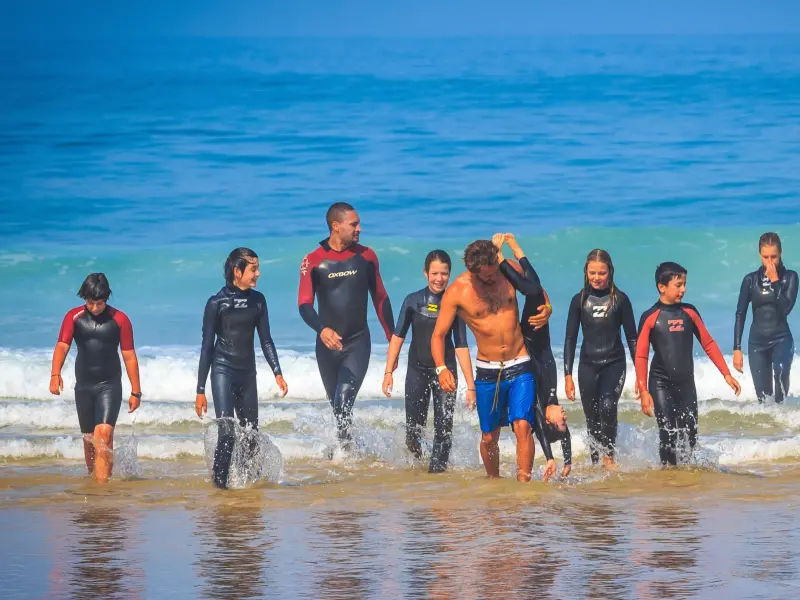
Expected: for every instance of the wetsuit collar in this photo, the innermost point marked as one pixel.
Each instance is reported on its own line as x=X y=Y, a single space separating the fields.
x=431 y=294
x=590 y=291
x=326 y=245
x=235 y=290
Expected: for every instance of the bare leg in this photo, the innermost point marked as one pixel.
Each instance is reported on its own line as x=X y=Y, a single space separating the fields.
x=490 y=453
x=525 y=449
x=88 y=452
x=104 y=444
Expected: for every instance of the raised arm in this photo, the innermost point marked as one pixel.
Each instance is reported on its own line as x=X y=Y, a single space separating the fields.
x=525 y=282
x=380 y=299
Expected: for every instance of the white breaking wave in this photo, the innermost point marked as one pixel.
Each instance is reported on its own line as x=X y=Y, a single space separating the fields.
x=170 y=374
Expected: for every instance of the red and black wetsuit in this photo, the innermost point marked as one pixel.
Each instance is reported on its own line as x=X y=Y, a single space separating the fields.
x=670 y=327
x=341 y=282
x=601 y=369
x=419 y=312
x=98 y=373
x=230 y=320
x=770 y=347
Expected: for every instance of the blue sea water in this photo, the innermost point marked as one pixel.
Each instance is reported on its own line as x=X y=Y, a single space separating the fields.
x=151 y=159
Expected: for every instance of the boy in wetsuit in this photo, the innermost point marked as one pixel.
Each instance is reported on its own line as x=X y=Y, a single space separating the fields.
x=669 y=325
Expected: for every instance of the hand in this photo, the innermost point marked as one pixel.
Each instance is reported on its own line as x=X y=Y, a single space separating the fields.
x=738 y=361
x=636 y=389
x=555 y=415
x=498 y=239
x=56 y=385
x=200 y=405
x=471 y=400
x=282 y=385
x=447 y=381
x=541 y=318
x=331 y=339
x=737 y=389
x=133 y=403
x=566 y=470
x=549 y=470
x=388 y=381
x=512 y=243
x=569 y=388
x=771 y=271
x=647 y=403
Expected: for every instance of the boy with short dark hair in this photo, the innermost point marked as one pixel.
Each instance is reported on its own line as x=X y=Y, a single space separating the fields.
x=669 y=324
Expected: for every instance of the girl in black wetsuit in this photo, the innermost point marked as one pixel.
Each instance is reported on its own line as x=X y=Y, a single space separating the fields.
x=231 y=318
x=419 y=312
x=773 y=291
x=599 y=309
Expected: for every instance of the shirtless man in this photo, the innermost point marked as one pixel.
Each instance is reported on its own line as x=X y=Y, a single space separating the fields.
x=505 y=387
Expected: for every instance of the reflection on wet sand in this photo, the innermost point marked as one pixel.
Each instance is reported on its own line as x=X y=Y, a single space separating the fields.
x=233 y=550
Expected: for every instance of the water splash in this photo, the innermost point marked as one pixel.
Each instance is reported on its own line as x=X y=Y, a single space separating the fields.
x=254 y=456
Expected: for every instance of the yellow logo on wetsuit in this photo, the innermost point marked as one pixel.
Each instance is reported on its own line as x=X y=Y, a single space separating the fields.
x=433 y=307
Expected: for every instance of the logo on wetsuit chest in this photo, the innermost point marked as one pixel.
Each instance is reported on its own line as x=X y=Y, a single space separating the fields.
x=600 y=312
x=240 y=303
x=433 y=307
x=766 y=286
x=342 y=274
x=675 y=324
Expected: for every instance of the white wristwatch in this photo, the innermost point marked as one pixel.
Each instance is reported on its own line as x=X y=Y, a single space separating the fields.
x=440 y=369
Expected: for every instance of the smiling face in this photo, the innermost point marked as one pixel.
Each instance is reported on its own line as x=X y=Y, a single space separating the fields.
x=248 y=278
x=348 y=230
x=597 y=273
x=438 y=275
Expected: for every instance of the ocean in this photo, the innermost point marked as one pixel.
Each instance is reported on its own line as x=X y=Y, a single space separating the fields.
x=151 y=159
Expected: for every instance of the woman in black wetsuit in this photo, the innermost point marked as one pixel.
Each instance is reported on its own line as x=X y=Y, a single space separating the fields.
x=231 y=318
x=419 y=312
x=600 y=308
x=773 y=291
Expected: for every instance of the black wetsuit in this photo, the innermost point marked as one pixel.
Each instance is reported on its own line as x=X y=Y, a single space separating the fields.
x=230 y=321
x=419 y=311
x=770 y=346
x=98 y=373
x=670 y=328
x=537 y=343
x=341 y=282
x=601 y=369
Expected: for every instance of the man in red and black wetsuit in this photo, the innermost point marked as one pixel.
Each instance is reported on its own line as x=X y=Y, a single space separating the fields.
x=340 y=273
x=669 y=325
x=99 y=331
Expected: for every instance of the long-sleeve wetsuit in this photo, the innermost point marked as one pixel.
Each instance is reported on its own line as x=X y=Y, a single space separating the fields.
x=537 y=342
x=98 y=373
x=770 y=346
x=601 y=369
x=231 y=318
x=670 y=328
x=419 y=312
x=341 y=282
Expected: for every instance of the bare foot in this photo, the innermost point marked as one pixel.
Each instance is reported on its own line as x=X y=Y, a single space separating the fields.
x=566 y=470
x=609 y=464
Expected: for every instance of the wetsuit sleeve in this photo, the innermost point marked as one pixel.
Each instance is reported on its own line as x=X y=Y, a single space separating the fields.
x=404 y=318
x=528 y=283
x=459 y=330
x=709 y=345
x=305 y=295
x=566 y=447
x=125 y=331
x=786 y=295
x=267 y=345
x=207 y=346
x=646 y=324
x=67 y=330
x=571 y=337
x=541 y=435
x=741 y=312
x=628 y=324
x=379 y=296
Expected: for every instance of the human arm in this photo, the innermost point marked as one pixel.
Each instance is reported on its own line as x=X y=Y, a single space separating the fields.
x=59 y=356
x=132 y=368
x=464 y=360
x=444 y=322
x=571 y=343
x=711 y=348
x=541 y=318
x=629 y=328
x=738 y=326
x=396 y=343
x=786 y=293
x=206 y=355
x=305 y=303
x=380 y=299
x=646 y=324
x=268 y=348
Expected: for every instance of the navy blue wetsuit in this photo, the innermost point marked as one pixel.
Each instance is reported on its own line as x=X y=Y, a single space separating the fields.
x=341 y=282
x=601 y=369
x=419 y=312
x=230 y=321
x=770 y=347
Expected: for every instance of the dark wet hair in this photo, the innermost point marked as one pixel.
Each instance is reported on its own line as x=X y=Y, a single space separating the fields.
x=238 y=259
x=599 y=255
x=336 y=213
x=667 y=271
x=439 y=255
x=480 y=253
x=95 y=287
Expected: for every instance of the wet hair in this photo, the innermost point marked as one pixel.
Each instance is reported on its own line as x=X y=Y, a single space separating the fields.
x=771 y=239
x=238 y=259
x=95 y=287
x=599 y=255
x=439 y=255
x=667 y=271
x=336 y=213
x=480 y=253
